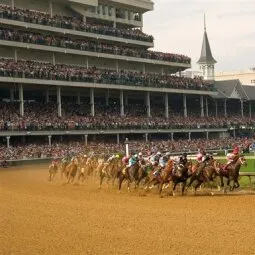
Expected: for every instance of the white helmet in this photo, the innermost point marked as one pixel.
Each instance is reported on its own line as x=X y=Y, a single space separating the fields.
x=136 y=156
x=159 y=153
x=140 y=154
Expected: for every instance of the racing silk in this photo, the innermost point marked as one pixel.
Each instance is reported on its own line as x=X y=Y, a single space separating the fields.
x=230 y=157
x=176 y=160
x=200 y=157
x=154 y=160
x=110 y=159
x=64 y=160
x=125 y=160
x=162 y=162
x=132 y=161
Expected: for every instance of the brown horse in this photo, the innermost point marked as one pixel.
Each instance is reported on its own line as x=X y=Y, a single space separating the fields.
x=53 y=168
x=128 y=173
x=208 y=174
x=181 y=175
x=72 y=169
x=232 y=173
x=110 y=171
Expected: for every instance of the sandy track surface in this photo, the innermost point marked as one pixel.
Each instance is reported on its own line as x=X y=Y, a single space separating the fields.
x=41 y=217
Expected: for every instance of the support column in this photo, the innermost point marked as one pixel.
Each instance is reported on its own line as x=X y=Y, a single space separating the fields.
x=53 y=59
x=118 y=138
x=117 y=66
x=13 y=4
x=78 y=98
x=50 y=9
x=207 y=135
x=225 y=107
x=107 y=97
x=11 y=95
x=234 y=132
x=47 y=96
x=206 y=106
x=148 y=104
x=49 y=140
x=84 y=19
x=189 y=136
x=126 y=100
x=144 y=68
x=146 y=137
x=59 y=102
x=87 y=63
x=166 y=106
x=162 y=70
x=172 y=137
x=92 y=102
x=21 y=100
x=15 y=55
x=250 y=109
x=216 y=108
x=127 y=147
x=241 y=101
x=86 y=139
x=8 y=141
x=202 y=106
x=121 y=103
x=185 y=106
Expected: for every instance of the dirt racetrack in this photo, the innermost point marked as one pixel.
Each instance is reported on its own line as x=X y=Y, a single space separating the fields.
x=41 y=217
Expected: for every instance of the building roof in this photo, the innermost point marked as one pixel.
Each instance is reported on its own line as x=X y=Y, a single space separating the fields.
x=250 y=91
x=232 y=89
x=206 y=53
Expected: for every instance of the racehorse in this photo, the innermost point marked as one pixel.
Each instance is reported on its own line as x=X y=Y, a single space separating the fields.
x=128 y=173
x=53 y=168
x=71 y=171
x=208 y=174
x=181 y=175
x=232 y=173
x=110 y=170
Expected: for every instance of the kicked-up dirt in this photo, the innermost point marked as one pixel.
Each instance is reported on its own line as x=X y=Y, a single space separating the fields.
x=42 y=217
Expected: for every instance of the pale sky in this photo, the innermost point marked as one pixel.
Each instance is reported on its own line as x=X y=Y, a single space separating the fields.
x=177 y=26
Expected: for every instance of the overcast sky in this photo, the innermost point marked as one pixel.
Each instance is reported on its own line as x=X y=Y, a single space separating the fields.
x=177 y=26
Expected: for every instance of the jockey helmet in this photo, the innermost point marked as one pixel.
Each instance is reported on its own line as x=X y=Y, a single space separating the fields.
x=85 y=156
x=236 y=150
x=140 y=154
x=159 y=153
x=136 y=156
x=117 y=156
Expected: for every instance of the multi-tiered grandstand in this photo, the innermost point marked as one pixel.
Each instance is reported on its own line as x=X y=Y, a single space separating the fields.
x=84 y=68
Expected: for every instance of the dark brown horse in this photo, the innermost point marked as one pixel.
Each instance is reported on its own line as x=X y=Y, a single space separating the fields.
x=208 y=174
x=232 y=173
x=130 y=174
x=181 y=175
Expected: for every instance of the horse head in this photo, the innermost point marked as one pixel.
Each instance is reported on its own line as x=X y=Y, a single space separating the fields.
x=242 y=161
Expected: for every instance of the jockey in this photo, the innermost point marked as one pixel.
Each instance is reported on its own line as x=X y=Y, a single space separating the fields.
x=163 y=161
x=202 y=158
x=54 y=162
x=125 y=160
x=183 y=159
x=154 y=160
x=132 y=160
x=232 y=156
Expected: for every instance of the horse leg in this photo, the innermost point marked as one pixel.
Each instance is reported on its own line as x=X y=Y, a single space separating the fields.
x=183 y=187
x=101 y=180
x=160 y=188
x=198 y=184
x=174 y=187
x=121 y=179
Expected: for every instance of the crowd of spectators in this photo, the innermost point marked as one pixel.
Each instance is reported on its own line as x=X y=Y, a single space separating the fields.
x=59 y=150
x=74 y=23
x=39 y=116
x=74 y=73
x=87 y=45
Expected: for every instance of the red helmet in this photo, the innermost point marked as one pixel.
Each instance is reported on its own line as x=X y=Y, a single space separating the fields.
x=236 y=150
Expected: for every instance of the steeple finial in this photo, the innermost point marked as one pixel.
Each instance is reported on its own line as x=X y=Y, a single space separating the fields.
x=204 y=23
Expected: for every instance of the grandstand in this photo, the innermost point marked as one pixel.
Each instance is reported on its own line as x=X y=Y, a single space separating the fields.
x=85 y=69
